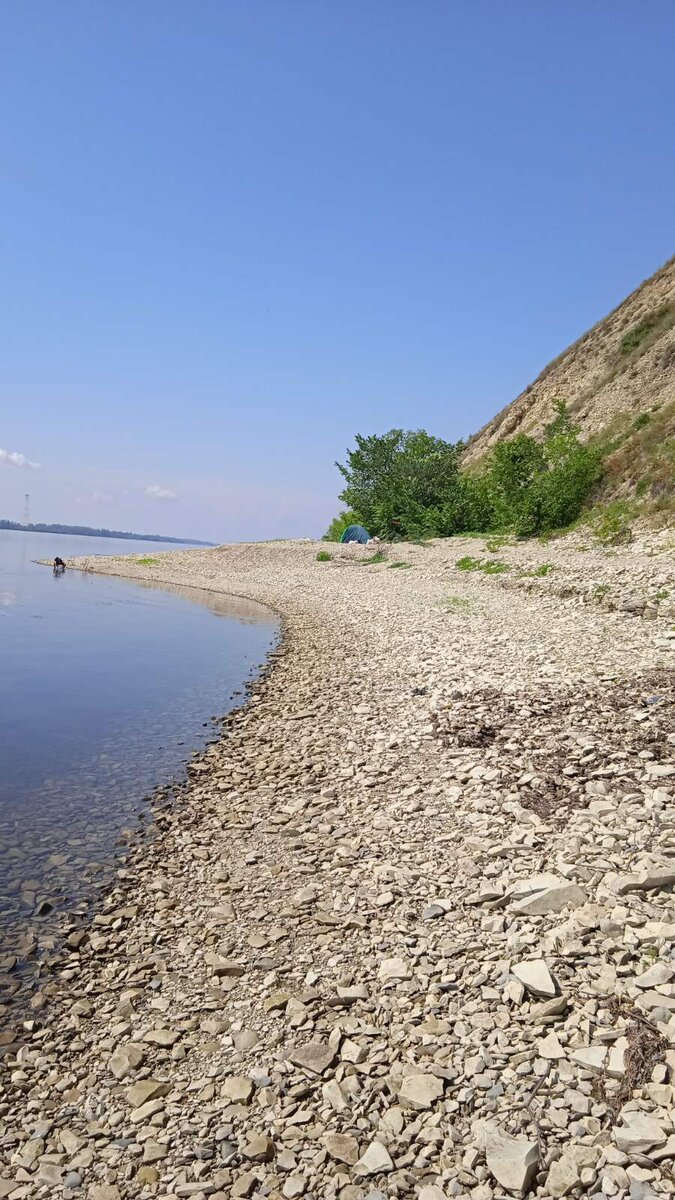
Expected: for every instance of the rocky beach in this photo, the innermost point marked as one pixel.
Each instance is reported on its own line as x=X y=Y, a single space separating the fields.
x=408 y=929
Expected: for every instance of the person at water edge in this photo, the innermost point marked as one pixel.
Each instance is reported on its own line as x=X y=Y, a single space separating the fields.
x=59 y=565
x=356 y=533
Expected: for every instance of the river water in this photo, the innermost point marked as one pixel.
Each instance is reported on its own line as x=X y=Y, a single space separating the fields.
x=106 y=688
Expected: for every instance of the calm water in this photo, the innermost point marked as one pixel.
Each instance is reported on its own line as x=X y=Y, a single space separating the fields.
x=106 y=688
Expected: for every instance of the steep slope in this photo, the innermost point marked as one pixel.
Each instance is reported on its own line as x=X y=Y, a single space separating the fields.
x=622 y=368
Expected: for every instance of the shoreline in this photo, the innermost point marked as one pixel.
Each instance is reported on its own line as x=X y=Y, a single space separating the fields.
x=292 y=967
x=89 y=849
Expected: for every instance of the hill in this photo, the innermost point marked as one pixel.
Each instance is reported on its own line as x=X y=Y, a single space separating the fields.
x=88 y=531
x=618 y=382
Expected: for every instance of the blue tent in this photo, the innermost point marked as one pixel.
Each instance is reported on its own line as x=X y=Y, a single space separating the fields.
x=356 y=533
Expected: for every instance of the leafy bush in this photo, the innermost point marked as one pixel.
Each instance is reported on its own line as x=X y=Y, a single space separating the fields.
x=538 y=487
x=324 y=556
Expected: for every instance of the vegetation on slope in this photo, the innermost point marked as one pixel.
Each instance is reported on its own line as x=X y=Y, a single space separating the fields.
x=409 y=485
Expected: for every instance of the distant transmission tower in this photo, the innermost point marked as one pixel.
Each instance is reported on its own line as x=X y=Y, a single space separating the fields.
x=26 y=509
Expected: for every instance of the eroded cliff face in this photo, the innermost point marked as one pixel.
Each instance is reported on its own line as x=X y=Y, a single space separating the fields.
x=623 y=367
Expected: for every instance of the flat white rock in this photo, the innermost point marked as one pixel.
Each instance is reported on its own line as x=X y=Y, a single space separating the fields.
x=512 y=1160
x=536 y=977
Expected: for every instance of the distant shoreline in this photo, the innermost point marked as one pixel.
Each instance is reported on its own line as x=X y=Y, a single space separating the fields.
x=87 y=531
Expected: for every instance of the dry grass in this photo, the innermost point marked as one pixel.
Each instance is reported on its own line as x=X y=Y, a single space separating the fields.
x=646 y=1049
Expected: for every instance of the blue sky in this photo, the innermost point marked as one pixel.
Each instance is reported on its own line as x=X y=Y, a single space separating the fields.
x=236 y=233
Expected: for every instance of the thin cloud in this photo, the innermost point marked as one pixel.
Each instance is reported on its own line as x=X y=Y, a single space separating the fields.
x=96 y=498
x=12 y=458
x=155 y=492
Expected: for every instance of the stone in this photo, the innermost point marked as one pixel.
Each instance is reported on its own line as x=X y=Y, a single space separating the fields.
x=315 y=1057
x=243 y=1184
x=550 y=1048
x=513 y=1161
x=154 y=1151
x=375 y=1161
x=646 y=881
x=238 y=1089
x=147 y=1175
x=162 y=1037
x=655 y=976
x=639 y=1132
x=342 y=1147
x=334 y=1096
x=394 y=969
x=146 y=1089
x=125 y=1059
x=420 y=1091
x=295 y=1185
x=142 y=1115
x=535 y=977
x=565 y=1173
x=246 y=1039
x=223 y=966
x=50 y=1173
x=276 y=1002
x=591 y=1058
x=551 y=899
x=259 y=1148
x=103 y=1191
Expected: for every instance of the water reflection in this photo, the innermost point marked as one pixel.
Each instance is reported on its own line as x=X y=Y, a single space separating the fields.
x=106 y=689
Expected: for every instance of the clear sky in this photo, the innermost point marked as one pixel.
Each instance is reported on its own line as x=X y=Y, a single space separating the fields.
x=236 y=232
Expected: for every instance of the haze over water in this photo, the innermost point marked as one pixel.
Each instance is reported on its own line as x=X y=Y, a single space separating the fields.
x=106 y=688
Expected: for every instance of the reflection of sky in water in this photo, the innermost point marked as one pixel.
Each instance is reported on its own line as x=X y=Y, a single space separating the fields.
x=106 y=687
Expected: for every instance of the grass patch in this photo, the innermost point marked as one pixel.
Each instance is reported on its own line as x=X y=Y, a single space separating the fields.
x=324 y=556
x=146 y=562
x=459 y=604
x=374 y=558
x=538 y=572
x=487 y=566
x=401 y=566
x=662 y=595
x=632 y=340
x=495 y=544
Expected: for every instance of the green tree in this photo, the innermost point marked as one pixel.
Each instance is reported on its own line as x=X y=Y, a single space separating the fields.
x=404 y=484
